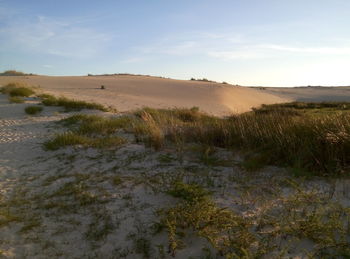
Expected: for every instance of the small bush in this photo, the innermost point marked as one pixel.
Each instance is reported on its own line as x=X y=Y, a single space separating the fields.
x=33 y=109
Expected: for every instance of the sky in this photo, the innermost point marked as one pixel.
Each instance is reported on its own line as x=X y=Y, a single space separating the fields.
x=245 y=42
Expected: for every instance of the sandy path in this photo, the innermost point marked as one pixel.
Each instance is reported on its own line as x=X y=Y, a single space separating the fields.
x=131 y=92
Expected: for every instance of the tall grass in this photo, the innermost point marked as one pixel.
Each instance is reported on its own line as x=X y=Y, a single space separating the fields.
x=319 y=144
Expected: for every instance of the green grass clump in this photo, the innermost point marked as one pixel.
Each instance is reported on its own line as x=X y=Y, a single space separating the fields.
x=33 y=109
x=21 y=91
x=15 y=99
x=17 y=89
x=188 y=192
x=74 y=139
x=70 y=104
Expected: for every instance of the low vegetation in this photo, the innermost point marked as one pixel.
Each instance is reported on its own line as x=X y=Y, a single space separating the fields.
x=315 y=138
x=303 y=215
x=90 y=131
x=70 y=104
x=16 y=99
x=32 y=110
x=17 y=89
x=15 y=73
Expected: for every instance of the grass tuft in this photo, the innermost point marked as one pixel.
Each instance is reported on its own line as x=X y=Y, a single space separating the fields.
x=32 y=110
x=70 y=104
x=15 y=99
x=17 y=89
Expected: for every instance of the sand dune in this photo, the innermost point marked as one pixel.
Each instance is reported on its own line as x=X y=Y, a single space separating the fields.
x=131 y=92
x=312 y=94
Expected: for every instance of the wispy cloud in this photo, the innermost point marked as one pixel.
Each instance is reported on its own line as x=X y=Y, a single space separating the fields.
x=53 y=36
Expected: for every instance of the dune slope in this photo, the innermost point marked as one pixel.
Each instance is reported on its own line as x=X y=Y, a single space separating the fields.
x=131 y=92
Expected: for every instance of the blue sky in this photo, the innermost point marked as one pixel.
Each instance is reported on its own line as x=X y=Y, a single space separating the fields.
x=247 y=42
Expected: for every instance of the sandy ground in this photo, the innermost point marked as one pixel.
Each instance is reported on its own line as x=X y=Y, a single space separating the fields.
x=131 y=92
x=311 y=94
x=88 y=203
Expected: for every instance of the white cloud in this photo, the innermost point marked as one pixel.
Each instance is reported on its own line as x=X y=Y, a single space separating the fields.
x=50 y=36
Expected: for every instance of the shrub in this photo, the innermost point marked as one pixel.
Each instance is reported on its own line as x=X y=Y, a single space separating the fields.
x=33 y=109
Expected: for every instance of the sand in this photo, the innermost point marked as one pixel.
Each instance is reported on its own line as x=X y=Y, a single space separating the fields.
x=311 y=94
x=67 y=204
x=126 y=93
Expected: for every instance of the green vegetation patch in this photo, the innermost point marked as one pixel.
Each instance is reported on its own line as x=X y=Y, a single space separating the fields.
x=70 y=104
x=303 y=215
x=32 y=110
x=15 y=99
x=74 y=139
x=17 y=89
x=281 y=135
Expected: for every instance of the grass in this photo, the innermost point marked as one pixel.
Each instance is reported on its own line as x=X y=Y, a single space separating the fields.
x=74 y=139
x=17 y=89
x=70 y=104
x=15 y=99
x=32 y=110
x=311 y=137
x=90 y=131
x=314 y=140
x=303 y=215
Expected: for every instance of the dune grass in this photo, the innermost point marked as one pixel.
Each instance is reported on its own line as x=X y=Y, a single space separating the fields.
x=17 y=89
x=303 y=215
x=74 y=139
x=292 y=137
x=32 y=110
x=70 y=104
x=306 y=139
x=16 y=99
